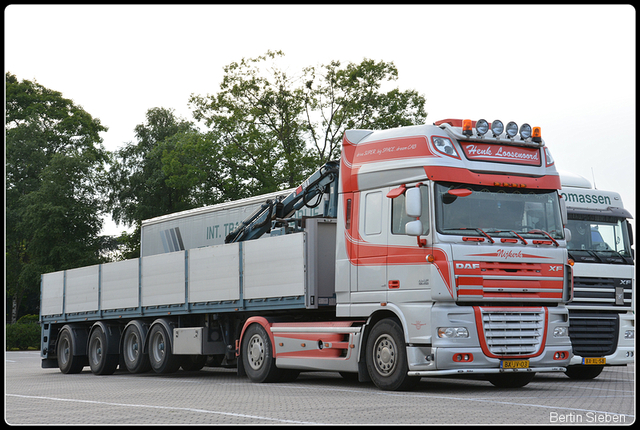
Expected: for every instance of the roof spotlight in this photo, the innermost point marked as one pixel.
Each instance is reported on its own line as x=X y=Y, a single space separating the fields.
x=497 y=127
x=525 y=131
x=482 y=126
x=512 y=129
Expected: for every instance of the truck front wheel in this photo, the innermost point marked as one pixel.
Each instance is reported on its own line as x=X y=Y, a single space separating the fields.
x=257 y=355
x=511 y=380
x=386 y=357
x=583 y=371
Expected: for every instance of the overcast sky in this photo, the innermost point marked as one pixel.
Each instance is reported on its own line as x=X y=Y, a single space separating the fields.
x=568 y=69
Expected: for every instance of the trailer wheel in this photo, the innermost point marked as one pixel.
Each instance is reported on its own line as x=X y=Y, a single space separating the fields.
x=67 y=362
x=386 y=357
x=160 y=356
x=511 y=380
x=100 y=362
x=133 y=354
x=257 y=355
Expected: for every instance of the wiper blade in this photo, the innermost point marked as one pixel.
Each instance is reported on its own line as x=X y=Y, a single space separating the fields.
x=479 y=230
x=509 y=231
x=545 y=234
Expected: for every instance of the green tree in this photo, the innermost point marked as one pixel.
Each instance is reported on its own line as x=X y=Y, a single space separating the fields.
x=257 y=115
x=54 y=164
x=275 y=128
x=338 y=99
x=137 y=182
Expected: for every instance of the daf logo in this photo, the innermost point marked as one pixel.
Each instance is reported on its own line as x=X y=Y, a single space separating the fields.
x=555 y=268
x=467 y=266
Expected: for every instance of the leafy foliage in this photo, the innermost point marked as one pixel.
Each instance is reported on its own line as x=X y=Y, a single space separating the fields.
x=24 y=334
x=266 y=129
x=274 y=129
x=55 y=167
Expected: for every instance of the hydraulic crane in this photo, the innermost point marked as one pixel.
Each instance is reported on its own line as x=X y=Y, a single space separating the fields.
x=278 y=211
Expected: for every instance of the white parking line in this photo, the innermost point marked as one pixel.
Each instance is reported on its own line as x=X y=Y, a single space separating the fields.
x=203 y=411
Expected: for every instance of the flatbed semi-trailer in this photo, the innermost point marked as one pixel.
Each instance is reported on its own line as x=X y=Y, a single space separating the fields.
x=439 y=249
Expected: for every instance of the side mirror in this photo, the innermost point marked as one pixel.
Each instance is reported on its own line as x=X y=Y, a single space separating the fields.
x=567 y=234
x=413 y=228
x=563 y=211
x=413 y=202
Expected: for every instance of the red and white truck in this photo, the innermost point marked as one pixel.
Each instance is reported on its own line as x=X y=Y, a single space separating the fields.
x=602 y=312
x=440 y=250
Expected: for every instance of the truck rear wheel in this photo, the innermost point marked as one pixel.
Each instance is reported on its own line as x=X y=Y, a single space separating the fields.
x=100 y=361
x=160 y=356
x=67 y=362
x=133 y=354
x=257 y=355
x=386 y=357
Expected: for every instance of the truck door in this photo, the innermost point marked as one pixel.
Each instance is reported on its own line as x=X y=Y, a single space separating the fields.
x=407 y=269
x=372 y=248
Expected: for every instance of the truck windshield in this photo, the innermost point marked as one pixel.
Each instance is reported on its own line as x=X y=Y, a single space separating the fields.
x=497 y=211
x=599 y=239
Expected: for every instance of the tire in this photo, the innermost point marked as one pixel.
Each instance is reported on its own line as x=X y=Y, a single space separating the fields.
x=193 y=363
x=386 y=357
x=257 y=355
x=67 y=362
x=100 y=362
x=161 y=358
x=511 y=380
x=583 y=372
x=136 y=360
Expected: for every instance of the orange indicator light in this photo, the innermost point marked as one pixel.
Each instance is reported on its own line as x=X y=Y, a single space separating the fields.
x=466 y=127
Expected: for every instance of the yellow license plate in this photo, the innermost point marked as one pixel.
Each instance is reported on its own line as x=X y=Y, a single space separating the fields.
x=514 y=364
x=594 y=360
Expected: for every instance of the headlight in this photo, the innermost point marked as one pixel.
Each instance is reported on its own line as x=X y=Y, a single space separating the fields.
x=629 y=334
x=560 y=332
x=444 y=145
x=452 y=332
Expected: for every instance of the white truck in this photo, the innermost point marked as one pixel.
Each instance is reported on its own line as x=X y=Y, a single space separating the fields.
x=602 y=313
x=440 y=250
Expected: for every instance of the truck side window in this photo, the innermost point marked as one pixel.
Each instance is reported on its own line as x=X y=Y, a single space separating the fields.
x=399 y=217
x=373 y=213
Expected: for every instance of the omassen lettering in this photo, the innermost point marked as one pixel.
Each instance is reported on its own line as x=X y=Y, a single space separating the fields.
x=586 y=198
x=501 y=153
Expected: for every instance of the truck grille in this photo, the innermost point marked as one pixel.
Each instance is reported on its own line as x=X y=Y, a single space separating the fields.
x=593 y=335
x=513 y=332
x=602 y=292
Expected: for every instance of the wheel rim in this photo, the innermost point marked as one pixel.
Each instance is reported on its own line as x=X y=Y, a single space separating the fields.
x=256 y=353
x=158 y=347
x=386 y=353
x=65 y=351
x=95 y=350
x=132 y=347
